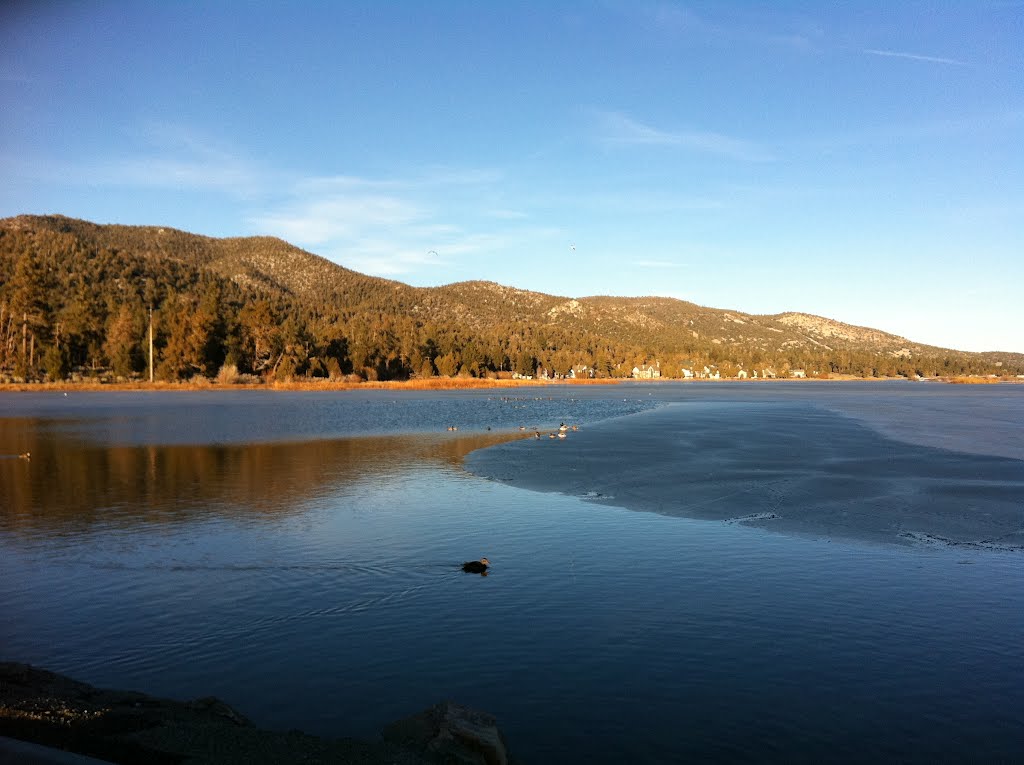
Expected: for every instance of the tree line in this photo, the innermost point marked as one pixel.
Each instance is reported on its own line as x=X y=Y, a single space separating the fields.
x=73 y=308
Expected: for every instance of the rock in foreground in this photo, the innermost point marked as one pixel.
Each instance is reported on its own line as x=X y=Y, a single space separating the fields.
x=451 y=733
x=127 y=727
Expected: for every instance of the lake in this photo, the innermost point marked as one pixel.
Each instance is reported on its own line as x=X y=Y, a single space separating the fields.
x=798 y=572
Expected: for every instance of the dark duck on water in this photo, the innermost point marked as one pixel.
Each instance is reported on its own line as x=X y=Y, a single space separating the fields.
x=476 y=566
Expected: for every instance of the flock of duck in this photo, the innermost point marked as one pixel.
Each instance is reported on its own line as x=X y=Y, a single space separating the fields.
x=562 y=431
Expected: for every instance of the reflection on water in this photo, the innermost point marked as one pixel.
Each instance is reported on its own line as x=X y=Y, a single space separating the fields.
x=70 y=485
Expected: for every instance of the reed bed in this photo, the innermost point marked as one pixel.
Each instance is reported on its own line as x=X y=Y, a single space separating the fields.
x=313 y=384
x=973 y=380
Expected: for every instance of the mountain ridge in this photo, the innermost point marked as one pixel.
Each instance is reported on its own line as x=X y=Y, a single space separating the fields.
x=398 y=329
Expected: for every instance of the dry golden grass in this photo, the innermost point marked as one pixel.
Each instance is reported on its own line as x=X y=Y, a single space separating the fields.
x=431 y=383
x=314 y=384
x=971 y=380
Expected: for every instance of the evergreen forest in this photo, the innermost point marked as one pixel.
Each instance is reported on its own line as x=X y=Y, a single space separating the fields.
x=80 y=300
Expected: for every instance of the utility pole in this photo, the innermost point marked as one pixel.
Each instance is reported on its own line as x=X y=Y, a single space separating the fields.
x=151 y=343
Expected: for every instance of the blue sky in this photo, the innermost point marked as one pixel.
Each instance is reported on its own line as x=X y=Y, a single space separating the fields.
x=861 y=161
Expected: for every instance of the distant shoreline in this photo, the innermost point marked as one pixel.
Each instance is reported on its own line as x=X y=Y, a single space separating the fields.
x=204 y=384
x=442 y=383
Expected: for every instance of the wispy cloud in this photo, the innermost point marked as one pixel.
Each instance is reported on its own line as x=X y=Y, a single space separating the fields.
x=995 y=125
x=674 y=18
x=161 y=157
x=657 y=264
x=324 y=219
x=618 y=129
x=342 y=184
x=434 y=176
x=423 y=220
x=387 y=257
x=385 y=225
x=743 y=28
x=443 y=175
x=9 y=76
x=419 y=220
x=397 y=252
x=640 y=201
x=168 y=156
x=914 y=56
x=503 y=214
x=173 y=173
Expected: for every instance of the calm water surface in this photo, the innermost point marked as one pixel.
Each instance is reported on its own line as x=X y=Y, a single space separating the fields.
x=296 y=555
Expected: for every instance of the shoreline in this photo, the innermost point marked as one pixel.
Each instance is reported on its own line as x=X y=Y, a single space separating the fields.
x=456 y=383
x=56 y=711
x=204 y=384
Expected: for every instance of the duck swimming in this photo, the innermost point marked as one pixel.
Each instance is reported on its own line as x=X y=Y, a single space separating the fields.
x=476 y=566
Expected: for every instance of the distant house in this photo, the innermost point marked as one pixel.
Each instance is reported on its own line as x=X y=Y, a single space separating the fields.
x=580 y=371
x=647 y=372
x=687 y=373
x=797 y=373
x=742 y=374
x=768 y=374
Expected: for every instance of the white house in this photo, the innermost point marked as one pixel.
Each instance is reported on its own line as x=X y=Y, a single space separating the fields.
x=647 y=372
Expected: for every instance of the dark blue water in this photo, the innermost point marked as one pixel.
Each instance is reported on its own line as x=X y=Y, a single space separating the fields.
x=312 y=582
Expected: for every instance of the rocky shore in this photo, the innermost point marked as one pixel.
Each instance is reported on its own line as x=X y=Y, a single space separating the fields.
x=128 y=727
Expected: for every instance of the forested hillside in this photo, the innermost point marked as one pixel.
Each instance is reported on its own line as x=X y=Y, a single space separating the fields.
x=76 y=300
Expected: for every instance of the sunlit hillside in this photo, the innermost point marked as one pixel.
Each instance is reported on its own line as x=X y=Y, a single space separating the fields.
x=75 y=299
